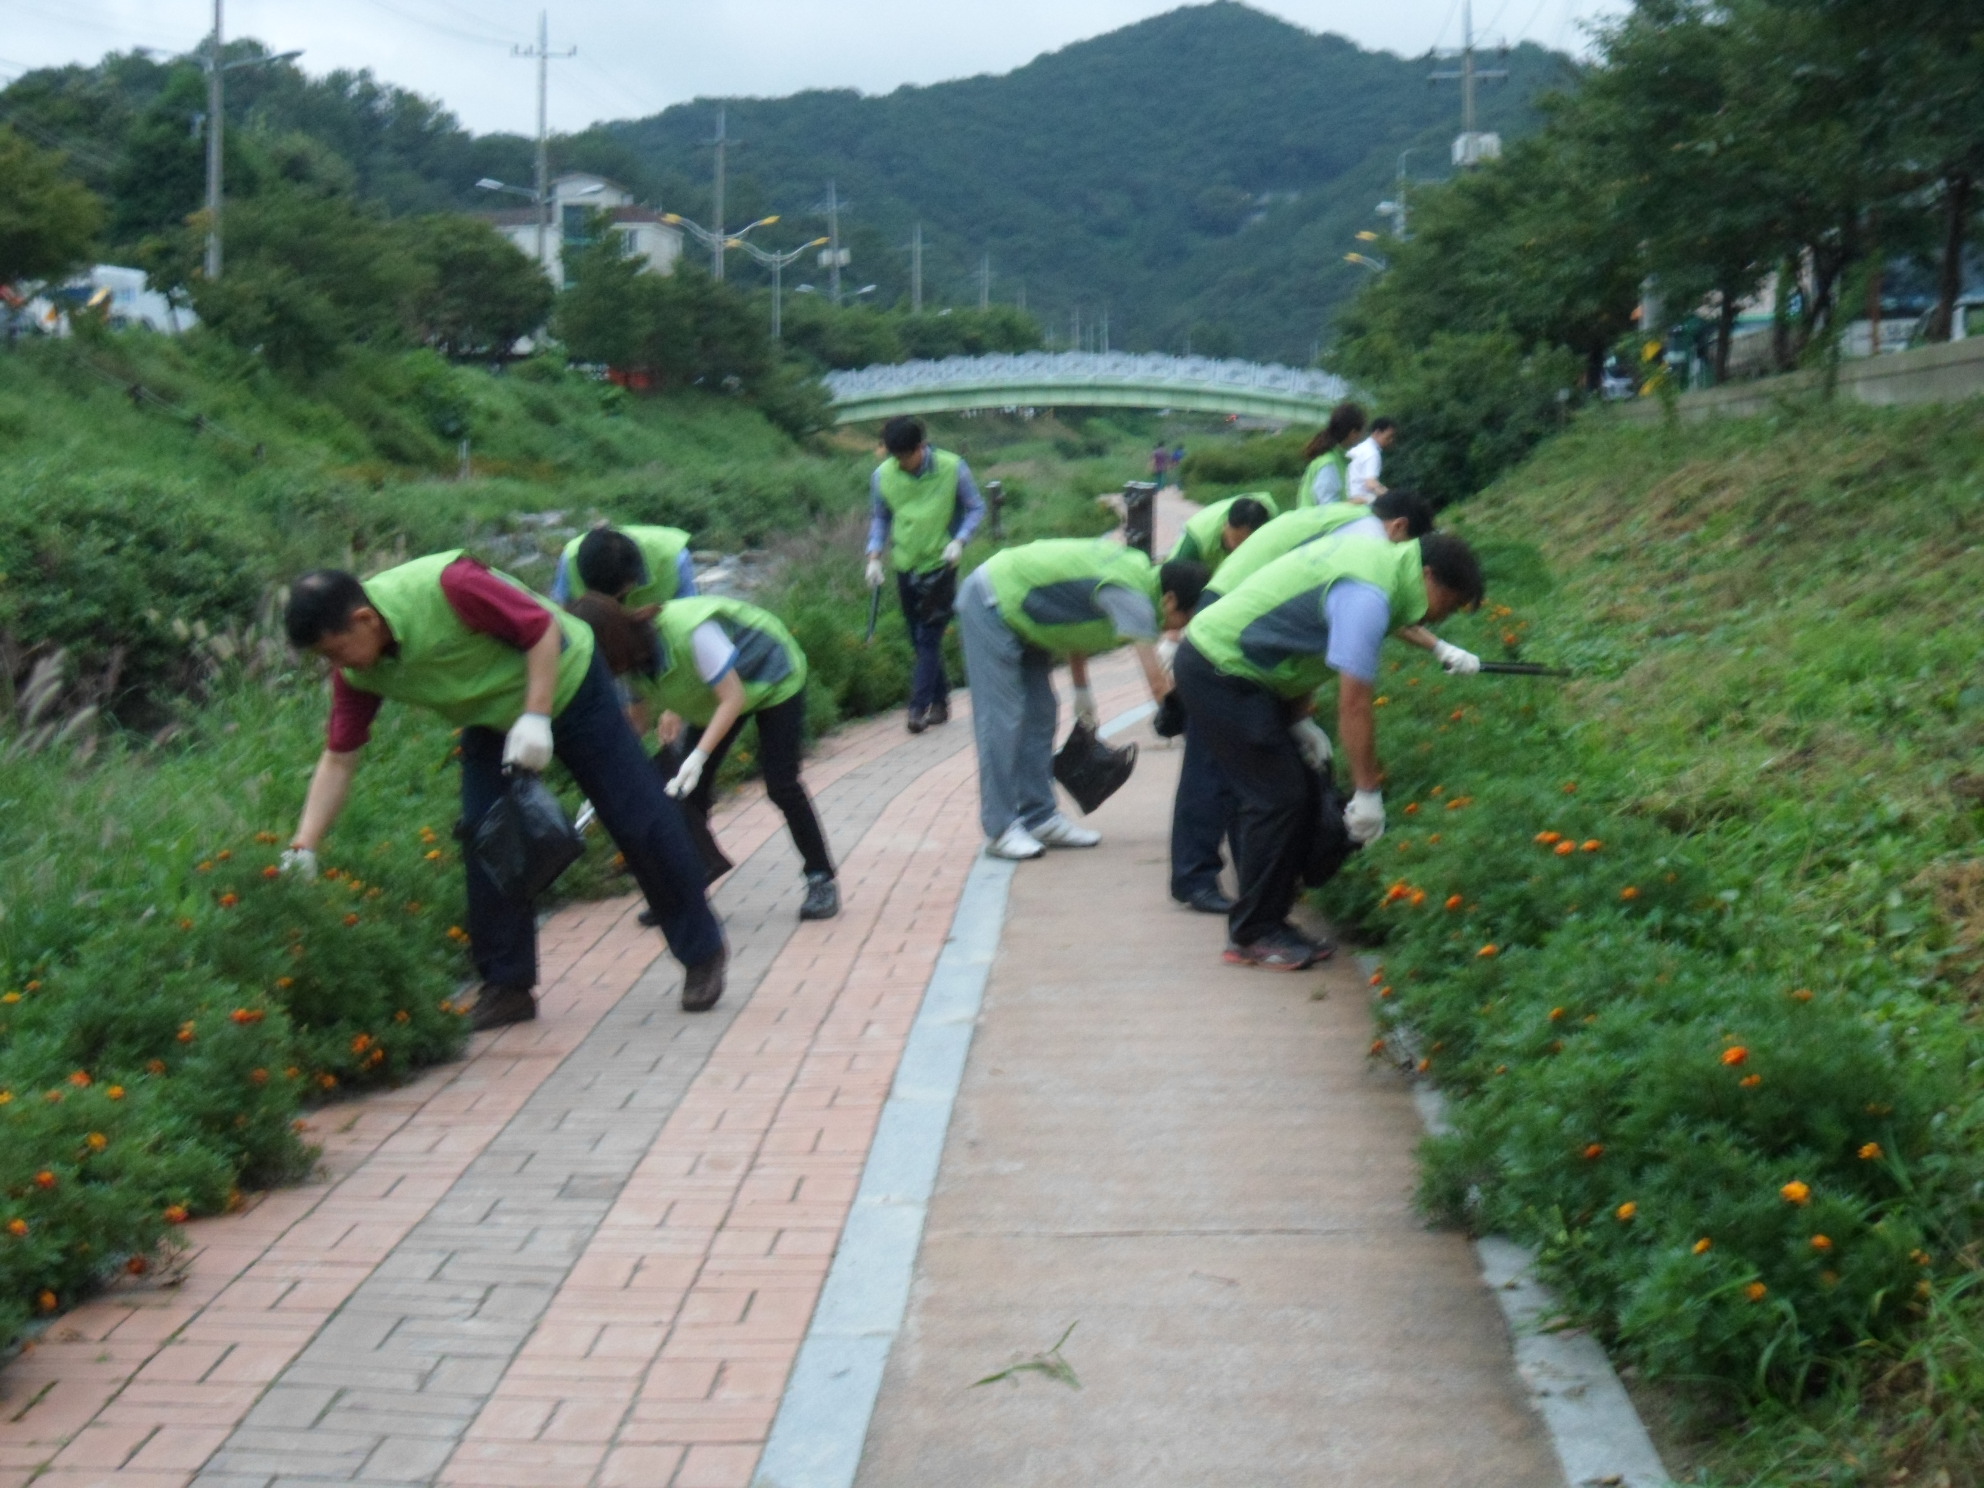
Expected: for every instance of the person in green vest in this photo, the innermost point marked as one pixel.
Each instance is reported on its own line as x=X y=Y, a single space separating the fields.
x=1022 y=611
x=707 y=664
x=639 y=566
x=523 y=683
x=1326 y=473
x=1213 y=532
x=1247 y=669
x=923 y=508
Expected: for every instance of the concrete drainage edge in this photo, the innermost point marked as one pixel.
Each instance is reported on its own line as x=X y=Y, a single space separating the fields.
x=1596 y=1433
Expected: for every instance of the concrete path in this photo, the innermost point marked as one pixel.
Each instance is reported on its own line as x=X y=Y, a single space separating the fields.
x=589 y=1253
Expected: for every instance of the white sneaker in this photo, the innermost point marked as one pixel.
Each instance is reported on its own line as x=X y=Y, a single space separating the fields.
x=1016 y=843
x=1058 y=831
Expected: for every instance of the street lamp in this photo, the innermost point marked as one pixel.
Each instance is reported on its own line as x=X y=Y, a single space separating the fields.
x=776 y=262
x=215 y=69
x=716 y=242
x=1375 y=265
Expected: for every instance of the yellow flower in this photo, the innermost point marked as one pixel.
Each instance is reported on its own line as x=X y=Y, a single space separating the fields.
x=1735 y=1055
x=1756 y=1291
x=1821 y=1242
x=1871 y=1152
x=1626 y=1211
x=1795 y=1192
x=1490 y=949
x=1704 y=1245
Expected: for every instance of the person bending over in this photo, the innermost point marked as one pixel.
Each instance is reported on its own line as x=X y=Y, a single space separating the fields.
x=522 y=682
x=638 y=566
x=1213 y=532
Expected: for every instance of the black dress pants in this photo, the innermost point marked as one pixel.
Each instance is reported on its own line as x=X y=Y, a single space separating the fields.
x=781 y=740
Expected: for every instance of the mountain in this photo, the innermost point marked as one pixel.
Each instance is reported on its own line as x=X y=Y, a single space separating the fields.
x=1201 y=173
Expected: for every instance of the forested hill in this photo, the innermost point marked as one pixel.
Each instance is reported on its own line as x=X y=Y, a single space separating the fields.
x=1201 y=172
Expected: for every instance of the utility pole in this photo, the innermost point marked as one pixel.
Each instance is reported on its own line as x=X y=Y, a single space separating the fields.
x=1105 y=326
x=916 y=271
x=544 y=57
x=985 y=281
x=716 y=209
x=833 y=243
x=213 y=149
x=1472 y=147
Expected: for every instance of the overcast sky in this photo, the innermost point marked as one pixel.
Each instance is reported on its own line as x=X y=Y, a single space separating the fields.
x=636 y=57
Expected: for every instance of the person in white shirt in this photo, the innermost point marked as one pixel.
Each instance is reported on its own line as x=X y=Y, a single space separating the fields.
x=1367 y=459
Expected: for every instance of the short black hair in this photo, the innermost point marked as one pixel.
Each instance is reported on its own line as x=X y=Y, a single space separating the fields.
x=1454 y=565
x=1248 y=512
x=1378 y=426
x=610 y=562
x=1184 y=580
x=901 y=435
x=321 y=603
x=1416 y=509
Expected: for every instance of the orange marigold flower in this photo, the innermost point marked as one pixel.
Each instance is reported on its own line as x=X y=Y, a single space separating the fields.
x=1803 y=994
x=269 y=837
x=1418 y=898
x=1432 y=839
x=291 y=1073
x=283 y=984
x=1457 y=715
x=1591 y=844
x=1704 y=1245
x=402 y=1016
x=1594 y=1152
x=434 y=856
x=1412 y=808
x=272 y=871
x=224 y=854
x=334 y=874
x=1549 y=839
x=44 y=1179
x=351 y=919
x=185 y=924
x=360 y=1044
x=1871 y=1152
x=80 y=1079
x=1556 y=1013
x=1821 y=1242
x=1920 y=1257
x=1735 y=1055
x=1384 y=991
x=1796 y=1192
x=1491 y=949
x=186 y=1033
x=258 y=1077
x=1570 y=787
x=228 y=901
x=247 y=1015
x=328 y=1082
x=206 y=867
x=1751 y=1082
x=34 y=986
x=175 y=1214
x=1756 y=1291
x=1377 y=1046
x=1438 y=790
x=17 y=1227
x=6 y=1097
x=1425 y=1065
x=115 y=1092
x=49 y=1301
x=1453 y=901
x=1629 y=892
x=96 y=1141
x=1626 y=1211
x=137 y=1265
x=10 y=997
x=1565 y=849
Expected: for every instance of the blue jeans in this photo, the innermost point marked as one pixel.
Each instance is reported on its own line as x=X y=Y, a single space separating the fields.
x=928 y=685
x=597 y=744
x=1201 y=815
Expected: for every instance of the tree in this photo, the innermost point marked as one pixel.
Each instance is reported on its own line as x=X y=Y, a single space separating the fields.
x=479 y=291
x=47 y=221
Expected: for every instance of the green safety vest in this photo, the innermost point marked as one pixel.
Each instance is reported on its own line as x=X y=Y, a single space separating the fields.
x=1203 y=540
x=467 y=677
x=1273 y=630
x=769 y=662
x=661 y=550
x=1286 y=533
x=1337 y=459
x=1047 y=591
x=921 y=508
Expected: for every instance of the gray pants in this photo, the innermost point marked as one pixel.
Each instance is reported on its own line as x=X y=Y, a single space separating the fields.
x=1013 y=714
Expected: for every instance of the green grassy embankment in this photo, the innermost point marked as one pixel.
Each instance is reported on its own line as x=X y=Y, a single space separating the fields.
x=1695 y=941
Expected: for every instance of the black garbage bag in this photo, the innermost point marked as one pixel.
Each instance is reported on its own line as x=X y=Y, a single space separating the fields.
x=933 y=595
x=1330 y=846
x=1090 y=770
x=716 y=862
x=525 y=840
x=1170 y=720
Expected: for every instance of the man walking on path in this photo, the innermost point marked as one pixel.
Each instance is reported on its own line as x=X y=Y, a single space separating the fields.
x=639 y=566
x=1247 y=669
x=1367 y=459
x=1021 y=611
x=522 y=682
x=708 y=664
x=923 y=508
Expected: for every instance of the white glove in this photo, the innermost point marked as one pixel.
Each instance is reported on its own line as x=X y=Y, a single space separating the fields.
x=300 y=860
x=1457 y=662
x=954 y=550
x=1364 y=817
x=874 y=571
x=687 y=778
x=1085 y=711
x=528 y=745
x=1167 y=652
x=1312 y=744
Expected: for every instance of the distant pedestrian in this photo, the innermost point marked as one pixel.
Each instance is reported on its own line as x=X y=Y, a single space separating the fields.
x=1177 y=465
x=1160 y=461
x=1324 y=475
x=1367 y=459
x=923 y=508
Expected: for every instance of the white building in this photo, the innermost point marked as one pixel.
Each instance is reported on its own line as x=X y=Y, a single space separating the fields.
x=575 y=199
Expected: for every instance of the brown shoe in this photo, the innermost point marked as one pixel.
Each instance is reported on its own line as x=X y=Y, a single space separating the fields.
x=499 y=1004
x=702 y=984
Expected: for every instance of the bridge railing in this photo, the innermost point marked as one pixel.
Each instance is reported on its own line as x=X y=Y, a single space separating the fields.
x=1075 y=370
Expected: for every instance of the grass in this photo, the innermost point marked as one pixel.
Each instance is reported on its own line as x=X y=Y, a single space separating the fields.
x=1747 y=1016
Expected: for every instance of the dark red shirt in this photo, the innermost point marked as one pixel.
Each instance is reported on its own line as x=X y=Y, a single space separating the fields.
x=483 y=603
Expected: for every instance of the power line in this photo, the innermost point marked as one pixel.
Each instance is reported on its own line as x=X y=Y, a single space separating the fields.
x=443 y=28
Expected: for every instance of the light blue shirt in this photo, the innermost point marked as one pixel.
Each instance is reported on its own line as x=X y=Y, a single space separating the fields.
x=1360 y=617
x=970 y=511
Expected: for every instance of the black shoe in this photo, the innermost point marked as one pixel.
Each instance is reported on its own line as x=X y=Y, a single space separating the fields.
x=1207 y=901
x=822 y=897
x=702 y=984
x=649 y=918
x=499 y=1004
x=940 y=711
x=919 y=720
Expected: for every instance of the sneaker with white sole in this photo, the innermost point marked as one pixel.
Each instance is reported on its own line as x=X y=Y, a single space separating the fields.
x=1016 y=843
x=1058 y=831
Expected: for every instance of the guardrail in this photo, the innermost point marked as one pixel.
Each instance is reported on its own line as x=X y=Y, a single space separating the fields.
x=1945 y=373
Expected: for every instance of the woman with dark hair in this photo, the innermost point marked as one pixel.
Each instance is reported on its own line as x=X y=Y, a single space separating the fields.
x=1325 y=478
